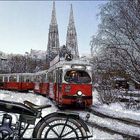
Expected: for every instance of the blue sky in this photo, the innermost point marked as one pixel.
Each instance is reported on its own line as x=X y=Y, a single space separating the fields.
x=24 y=25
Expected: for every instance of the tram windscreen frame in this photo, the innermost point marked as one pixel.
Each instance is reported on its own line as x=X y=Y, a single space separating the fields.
x=77 y=76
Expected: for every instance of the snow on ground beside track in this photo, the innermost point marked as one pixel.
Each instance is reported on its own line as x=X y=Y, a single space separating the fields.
x=113 y=125
x=115 y=109
x=95 y=99
x=97 y=134
x=37 y=99
x=118 y=111
x=102 y=135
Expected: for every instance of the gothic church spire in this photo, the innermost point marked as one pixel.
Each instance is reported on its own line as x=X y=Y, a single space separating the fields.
x=53 y=20
x=53 y=37
x=71 y=39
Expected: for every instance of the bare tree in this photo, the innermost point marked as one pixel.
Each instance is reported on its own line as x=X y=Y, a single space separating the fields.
x=116 y=47
x=24 y=64
x=16 y=63
x=118 y=38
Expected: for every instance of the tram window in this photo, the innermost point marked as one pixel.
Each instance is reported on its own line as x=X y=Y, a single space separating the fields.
x=39 y=79
x=1 y=79
x=77 y=76
x=50 y=76
x=27 y=80
x=21 y=78
x=31 y=78
x=43 y=77
x=46 y=78
x=5 y=79
x=13 y=79
x=35 y=79
x=54 y=76
x=60 y=77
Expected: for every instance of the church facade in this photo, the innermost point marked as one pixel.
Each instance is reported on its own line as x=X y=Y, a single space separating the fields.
x=53 y=46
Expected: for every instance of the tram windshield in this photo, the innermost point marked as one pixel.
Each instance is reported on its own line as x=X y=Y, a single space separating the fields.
x=77 y=76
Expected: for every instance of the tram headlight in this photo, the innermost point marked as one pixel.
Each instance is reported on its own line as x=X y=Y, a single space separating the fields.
x=79 y=93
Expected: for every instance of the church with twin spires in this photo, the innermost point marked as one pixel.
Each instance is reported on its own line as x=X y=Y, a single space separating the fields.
x=53 y=47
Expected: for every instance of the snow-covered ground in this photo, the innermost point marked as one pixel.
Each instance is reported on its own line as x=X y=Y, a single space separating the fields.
x=97 y=134
x=115 y=109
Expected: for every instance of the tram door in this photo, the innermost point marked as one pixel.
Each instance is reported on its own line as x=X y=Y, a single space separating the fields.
x=58 y=84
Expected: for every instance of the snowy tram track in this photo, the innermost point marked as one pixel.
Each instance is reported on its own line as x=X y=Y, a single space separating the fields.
x=108 y=130
x=111 y=124
x=121 y=119
x=94 y=125
x=108 y=124
x=102 y=127
x=94 y=128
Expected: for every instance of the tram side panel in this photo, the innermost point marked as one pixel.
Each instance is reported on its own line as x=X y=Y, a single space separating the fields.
x=25 y=86
x=58 y=87
x=13 y=83
x=2 y=83
x=44 y=88
x=52 y=91
x=36 y=87
x=40 y=83
x=18 y=82
x=51 y=78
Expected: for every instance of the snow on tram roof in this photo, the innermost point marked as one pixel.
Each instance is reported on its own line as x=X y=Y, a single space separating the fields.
x=41 y=72
x=80 y=62
x=73 y=62
x=14 y=74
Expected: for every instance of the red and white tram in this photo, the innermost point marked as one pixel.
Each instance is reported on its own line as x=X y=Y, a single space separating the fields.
x=17 y=81
x=70 y=82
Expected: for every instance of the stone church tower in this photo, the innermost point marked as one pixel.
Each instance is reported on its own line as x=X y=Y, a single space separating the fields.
x=71 y=39
x=53 y=37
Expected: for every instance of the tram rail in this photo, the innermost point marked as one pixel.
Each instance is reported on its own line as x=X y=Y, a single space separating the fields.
x=124 y=121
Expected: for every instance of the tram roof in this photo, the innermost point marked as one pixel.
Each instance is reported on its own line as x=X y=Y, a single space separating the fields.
x=14 y=74
x=73 y=62
x=41 y=72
